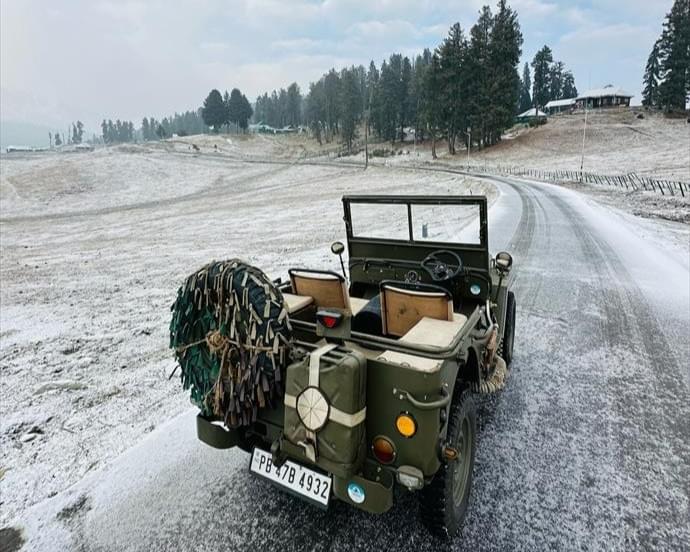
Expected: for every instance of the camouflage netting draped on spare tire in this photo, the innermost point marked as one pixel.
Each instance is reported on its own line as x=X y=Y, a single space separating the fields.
x=231 y=334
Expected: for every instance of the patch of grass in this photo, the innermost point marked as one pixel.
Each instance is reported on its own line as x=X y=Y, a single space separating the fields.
x=11 y=539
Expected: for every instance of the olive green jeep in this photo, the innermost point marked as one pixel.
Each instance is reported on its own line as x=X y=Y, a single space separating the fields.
x=383 y=361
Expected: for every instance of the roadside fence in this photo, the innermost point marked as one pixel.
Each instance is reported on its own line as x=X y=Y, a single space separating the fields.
x=629 y=181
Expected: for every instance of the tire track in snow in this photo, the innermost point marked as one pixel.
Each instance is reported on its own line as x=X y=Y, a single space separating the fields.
x=650 y=397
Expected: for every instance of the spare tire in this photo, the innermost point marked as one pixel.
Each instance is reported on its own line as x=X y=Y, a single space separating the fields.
x=231 y=336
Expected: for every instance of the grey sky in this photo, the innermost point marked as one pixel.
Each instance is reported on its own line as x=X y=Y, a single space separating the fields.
x=97 y=59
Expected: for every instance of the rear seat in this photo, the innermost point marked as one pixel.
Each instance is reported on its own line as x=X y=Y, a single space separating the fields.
x=296 y=303
x=428 y=331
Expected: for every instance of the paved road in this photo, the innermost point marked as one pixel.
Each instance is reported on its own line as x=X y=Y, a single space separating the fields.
x=587 y=448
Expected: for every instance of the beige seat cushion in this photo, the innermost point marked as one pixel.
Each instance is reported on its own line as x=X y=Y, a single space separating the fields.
x=428 y=331
x=294 y=303
x=403 y=308
x=357 y=304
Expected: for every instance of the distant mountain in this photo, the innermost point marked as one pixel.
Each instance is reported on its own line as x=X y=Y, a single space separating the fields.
x=14 y=133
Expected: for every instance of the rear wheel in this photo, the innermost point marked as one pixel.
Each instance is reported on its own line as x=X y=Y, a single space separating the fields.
x=444 y=500
x=509 y=332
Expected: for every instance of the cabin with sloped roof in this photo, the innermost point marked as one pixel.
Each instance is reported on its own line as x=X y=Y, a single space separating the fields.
x=609 y=96
x=560 y=106
x=532 y=115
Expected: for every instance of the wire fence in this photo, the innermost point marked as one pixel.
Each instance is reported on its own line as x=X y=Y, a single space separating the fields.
x=629 y=181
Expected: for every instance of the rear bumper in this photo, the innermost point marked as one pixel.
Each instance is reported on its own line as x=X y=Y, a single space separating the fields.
x=378 y=495
x=377 y=485
x=216 y=436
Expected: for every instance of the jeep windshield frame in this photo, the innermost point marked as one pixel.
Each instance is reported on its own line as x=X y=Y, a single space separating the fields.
x=398 y=254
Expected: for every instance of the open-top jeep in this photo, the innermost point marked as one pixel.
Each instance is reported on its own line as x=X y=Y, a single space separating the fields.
x=380 y=363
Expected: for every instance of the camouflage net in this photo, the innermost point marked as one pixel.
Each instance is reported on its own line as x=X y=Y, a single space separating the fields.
x=231 y=335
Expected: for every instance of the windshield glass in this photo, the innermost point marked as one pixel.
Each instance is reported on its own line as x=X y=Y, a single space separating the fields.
x=441 y=223
x=380 y=220
x=446 y=223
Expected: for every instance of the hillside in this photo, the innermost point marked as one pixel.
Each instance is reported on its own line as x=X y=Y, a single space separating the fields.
x=616 y=142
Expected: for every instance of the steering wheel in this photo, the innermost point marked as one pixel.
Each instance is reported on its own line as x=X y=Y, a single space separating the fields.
x=439 y=270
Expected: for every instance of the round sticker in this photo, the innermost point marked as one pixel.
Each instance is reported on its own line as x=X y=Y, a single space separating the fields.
x=356 y=493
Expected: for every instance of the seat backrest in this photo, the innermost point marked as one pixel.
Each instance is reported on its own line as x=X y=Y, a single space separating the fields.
x=328 y=289
x=403 y=305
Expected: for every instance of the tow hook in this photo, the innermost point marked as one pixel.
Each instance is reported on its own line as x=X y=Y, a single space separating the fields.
x=450 y=454
x=277 y=456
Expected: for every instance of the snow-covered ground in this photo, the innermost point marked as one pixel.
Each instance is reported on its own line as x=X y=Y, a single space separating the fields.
x=94 y=247
x=587 y=447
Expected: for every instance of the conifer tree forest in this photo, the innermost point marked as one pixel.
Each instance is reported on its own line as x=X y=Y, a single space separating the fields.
x=467 y=89
x=666 y=78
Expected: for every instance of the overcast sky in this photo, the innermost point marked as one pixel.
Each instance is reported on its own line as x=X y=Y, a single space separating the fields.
x=94 y=59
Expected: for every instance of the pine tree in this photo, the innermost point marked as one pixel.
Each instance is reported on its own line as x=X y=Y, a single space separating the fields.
x=652 y=76
x=433 y=100
x=421 y=66
x=478 y=79
x=452 y=53
x=556 y=80
x=78 y=132
x=235 y=107
x=214 y=111
x=314 y=110
x=58 y=140
x=294 y=105
x=404 y=95
x=506 y=49
x=525 y=101
x=350 y=102
x=674 y=46
x=569 y=90
x=145 y=129
x=374 y=98
x=226 y=103
x=541 y=66
x=331 y=107
x=245 y=114
x=390 y=80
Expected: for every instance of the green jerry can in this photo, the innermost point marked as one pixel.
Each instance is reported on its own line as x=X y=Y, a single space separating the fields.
x=325 y=409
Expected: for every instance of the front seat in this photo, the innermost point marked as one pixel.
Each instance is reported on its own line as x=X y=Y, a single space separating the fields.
x=404 y=304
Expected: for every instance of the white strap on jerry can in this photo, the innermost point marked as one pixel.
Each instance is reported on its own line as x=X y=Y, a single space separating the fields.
x=313 y=408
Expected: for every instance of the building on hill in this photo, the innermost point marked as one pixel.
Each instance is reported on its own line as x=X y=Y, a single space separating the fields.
x=609 y=96
x=532 y=115
x=559 y=106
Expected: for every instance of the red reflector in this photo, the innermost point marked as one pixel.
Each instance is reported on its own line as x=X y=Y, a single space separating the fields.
x=383 y=449
x=329 y=321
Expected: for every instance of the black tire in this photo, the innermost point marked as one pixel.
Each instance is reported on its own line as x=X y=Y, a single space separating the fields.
x=509 y=333
x=443 y=503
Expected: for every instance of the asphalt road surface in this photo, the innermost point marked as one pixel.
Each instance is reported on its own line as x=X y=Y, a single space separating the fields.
x=587 y=448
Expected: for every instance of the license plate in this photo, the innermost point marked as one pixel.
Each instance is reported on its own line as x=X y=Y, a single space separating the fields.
x=306 y=483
